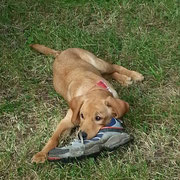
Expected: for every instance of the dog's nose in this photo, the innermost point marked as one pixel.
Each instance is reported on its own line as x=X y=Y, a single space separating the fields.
x=83 y=134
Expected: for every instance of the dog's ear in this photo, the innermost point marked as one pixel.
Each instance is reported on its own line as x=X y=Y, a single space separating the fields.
x=75 y=105
x=119 y=107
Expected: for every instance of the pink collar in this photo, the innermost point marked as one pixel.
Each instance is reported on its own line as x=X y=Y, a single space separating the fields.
x=103 y=85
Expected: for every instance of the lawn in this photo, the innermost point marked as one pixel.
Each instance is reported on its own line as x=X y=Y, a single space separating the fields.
x=141 y=35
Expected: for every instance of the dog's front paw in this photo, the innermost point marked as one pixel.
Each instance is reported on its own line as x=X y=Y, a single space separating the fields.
x=136 y=76
x=40 y=157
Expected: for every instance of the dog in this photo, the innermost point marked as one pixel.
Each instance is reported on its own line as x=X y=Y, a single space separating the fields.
x=79 y=76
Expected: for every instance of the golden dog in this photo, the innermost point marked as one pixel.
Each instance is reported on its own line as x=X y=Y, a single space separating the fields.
x=78 y=76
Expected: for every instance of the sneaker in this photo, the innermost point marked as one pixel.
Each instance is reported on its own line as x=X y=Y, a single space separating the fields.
x=108 y=138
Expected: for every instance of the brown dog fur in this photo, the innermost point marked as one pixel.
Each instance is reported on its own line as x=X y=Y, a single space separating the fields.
x=76 y=73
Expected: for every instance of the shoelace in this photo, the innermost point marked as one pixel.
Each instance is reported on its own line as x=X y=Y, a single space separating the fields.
x=78 y=140
x=80 y=137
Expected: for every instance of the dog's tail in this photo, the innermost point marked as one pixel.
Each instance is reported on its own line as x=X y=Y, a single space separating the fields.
x=45 y=50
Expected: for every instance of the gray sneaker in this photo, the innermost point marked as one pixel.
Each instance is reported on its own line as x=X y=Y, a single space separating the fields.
x=108 y=138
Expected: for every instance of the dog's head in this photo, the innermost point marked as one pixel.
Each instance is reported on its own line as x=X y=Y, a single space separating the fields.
x=91 y=112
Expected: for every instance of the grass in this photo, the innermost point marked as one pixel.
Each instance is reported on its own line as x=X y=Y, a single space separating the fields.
x=140 y=35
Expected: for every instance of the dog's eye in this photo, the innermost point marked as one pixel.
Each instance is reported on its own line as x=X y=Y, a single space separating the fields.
x=98 y=118
x=82 y=116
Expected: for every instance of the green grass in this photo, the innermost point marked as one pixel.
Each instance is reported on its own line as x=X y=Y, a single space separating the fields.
x=141 y=35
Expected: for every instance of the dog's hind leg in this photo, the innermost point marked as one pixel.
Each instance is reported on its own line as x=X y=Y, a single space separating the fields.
x=102 y=66
x=135 y=76
x=119 y=73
